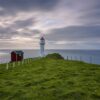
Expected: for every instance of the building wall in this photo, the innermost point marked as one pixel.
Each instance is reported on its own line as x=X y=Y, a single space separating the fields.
x=16 y=57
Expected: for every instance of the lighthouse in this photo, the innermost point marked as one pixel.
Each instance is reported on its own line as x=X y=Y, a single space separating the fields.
x=42 y=44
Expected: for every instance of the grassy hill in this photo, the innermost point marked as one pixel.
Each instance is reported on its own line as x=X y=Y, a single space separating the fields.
x=50 y=79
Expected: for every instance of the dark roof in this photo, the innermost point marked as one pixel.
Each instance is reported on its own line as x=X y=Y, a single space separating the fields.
x=18 y=51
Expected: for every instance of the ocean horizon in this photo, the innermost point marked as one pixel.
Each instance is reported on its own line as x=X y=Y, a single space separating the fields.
x=89 y=56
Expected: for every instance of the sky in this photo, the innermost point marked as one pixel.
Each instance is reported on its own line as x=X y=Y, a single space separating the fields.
x=65 y=24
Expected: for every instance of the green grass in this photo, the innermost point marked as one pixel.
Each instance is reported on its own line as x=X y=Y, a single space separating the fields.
x=54 y=56
x=50 y=79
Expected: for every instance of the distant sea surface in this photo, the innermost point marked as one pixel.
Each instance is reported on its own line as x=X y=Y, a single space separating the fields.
x=90 y=56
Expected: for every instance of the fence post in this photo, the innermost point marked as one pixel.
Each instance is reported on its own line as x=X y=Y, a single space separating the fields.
x=22 y=61
x=75 y=58
x=19 y=63
x=91 y=60
x=71 y=57
x=7 y=66
x=0 y=61
x=67 y=57
x=13 y=64
x=80 y=58
x=25 y=61
x=28 y=60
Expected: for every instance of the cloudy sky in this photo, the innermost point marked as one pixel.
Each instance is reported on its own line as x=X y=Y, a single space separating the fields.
x=65 y=24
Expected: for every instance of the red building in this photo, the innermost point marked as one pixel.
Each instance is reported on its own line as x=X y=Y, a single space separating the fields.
x=16 y=56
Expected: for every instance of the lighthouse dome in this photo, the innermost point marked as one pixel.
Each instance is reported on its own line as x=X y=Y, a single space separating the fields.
x=42 y=38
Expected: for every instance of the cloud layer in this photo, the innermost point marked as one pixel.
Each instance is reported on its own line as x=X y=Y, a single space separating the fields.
x=67 y=24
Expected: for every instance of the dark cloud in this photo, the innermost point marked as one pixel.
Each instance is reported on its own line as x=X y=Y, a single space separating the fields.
x=29 y=33
x=7 y=33
x=12 y=29
x=24 y=23
x=74 y=33
x=25 y=5
x=91 y=13
x=91 y=17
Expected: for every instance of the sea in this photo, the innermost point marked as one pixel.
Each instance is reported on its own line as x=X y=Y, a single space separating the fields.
x=89 y=56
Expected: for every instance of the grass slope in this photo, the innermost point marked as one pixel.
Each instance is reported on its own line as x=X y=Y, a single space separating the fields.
x=49 y=79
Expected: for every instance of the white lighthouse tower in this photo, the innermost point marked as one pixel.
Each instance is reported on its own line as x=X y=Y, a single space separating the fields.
x=42 y=44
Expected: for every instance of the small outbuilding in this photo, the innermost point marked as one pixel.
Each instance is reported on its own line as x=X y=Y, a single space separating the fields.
x=17 y=56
